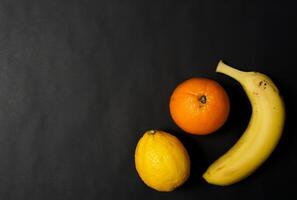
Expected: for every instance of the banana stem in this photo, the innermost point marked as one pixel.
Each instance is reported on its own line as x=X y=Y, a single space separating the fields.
x=230 y=71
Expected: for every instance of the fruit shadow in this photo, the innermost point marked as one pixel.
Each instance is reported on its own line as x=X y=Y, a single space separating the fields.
x=240 y=110
x=197 y=157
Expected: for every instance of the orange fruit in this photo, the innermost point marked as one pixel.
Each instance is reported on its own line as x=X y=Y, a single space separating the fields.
x=199 y=106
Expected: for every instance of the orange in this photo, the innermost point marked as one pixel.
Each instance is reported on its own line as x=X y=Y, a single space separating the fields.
x=199 y=106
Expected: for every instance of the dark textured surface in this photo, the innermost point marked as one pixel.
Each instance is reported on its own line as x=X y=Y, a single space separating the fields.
x=80 y=81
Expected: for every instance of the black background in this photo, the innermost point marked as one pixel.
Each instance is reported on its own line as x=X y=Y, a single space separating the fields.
x=80 y=81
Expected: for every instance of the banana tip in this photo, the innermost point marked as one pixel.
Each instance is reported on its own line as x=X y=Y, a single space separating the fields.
x=209 y=179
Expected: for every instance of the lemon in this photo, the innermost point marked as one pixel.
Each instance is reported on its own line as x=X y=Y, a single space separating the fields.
x=162 y=161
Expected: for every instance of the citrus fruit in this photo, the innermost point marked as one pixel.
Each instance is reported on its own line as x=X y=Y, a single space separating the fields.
x=199 y=106
x=161 y=161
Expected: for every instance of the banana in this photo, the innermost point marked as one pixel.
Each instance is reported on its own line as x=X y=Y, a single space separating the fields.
x=261 y=135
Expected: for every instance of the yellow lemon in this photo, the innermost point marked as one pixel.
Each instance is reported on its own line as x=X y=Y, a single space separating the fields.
x=162 y=161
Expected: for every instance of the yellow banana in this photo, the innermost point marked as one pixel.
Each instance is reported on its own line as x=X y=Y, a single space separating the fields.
x=261 y=135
